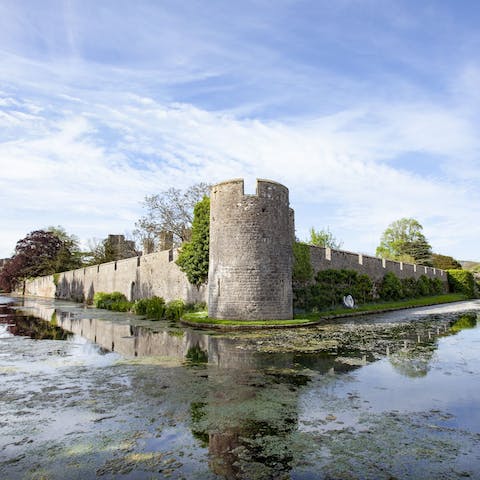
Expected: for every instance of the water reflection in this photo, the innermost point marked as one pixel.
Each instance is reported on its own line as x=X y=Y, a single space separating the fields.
x=255 y=413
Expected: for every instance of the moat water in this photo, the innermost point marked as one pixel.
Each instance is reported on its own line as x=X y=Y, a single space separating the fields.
x=86 y=393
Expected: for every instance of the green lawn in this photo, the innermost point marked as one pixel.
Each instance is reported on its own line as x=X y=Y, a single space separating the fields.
x=202 y=317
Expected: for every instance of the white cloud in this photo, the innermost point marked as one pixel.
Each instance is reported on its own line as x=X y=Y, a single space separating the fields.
x=98 y=161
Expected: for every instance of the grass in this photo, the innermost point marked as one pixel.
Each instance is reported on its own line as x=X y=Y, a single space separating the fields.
x=305 y=318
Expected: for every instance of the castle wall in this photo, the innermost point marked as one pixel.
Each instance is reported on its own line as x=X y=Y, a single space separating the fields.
x=326 y=258
x=136 y=277
x=250 y=271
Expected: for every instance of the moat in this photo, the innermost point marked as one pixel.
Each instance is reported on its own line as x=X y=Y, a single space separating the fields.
x=92 y=394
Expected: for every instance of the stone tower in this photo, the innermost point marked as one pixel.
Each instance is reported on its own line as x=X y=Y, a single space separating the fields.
x=250 y=270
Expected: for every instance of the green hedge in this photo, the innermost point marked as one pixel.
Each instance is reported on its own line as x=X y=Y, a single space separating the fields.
x=330 y=286
x=461 y=281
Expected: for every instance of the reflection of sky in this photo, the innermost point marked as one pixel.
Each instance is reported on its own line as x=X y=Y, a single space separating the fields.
x=451 y=385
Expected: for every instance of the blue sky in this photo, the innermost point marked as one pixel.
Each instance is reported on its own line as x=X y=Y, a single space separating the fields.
x=368 y=111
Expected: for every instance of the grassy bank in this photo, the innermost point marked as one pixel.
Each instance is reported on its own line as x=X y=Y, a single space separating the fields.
x=202 y=318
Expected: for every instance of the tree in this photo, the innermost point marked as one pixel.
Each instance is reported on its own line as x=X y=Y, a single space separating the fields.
x=324 y=238
x=194 y=255
x=35 y=255
x=69 y=256
x=114 y=247
x=403 y=240
x=170 y=211
x=41 y=252
x=445 y=262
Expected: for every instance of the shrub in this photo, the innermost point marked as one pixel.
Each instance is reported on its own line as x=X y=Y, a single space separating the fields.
x=140 y=306
x=330 y=287
x=120 y=306
x=410 y=287
x=391 y=287
x=195 y=307
x=155 y=308
x=437 y=286
x=174 y=310
x=104 y=300
x=423 y=286
x=461 y=281
x=114 y=301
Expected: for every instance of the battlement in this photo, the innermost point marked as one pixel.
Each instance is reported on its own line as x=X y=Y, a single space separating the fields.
x=235 y=190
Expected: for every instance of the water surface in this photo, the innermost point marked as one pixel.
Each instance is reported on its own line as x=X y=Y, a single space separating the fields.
x=91 y=394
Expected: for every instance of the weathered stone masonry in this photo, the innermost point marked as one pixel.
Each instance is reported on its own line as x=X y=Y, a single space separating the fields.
x=250 y=274
x=374 y=267
x=136 y=277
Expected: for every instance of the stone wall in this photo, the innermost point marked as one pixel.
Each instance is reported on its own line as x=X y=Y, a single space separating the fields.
x=136 y=277
x=374 y=267
x=250 y=271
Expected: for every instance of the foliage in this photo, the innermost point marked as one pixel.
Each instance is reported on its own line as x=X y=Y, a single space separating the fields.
x=302 y=267
x=115 y=301
x=140 y=306
x=195 y=354
x=330 y=287
x=391 y=287
x=409 y=287
x=468 y=320
x=461 y=281
x=41 y=252
x=324 y=238
x=305 y=318
x=69 y=256
x=195 y=307
x=423 y=286
x=444 y=262
x=174 y=310
x=170 y=211
x=112 y=248
x=403 y=240
x=155 y=308
x=194 y=255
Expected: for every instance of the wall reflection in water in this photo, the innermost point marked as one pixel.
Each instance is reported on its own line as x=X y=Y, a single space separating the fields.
x=248 y=418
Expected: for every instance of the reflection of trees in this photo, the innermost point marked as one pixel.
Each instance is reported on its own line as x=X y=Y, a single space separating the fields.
x=413 y=362
x=466 y=321
x=414 y=357
x=37 y=329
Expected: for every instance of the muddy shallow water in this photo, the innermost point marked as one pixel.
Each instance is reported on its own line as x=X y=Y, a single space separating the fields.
x=91 y=394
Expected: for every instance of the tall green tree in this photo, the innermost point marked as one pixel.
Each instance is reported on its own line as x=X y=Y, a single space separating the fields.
x=404 y=240
x=445 y=262
x=70 y=255
x=323 y=238
x=194 y=254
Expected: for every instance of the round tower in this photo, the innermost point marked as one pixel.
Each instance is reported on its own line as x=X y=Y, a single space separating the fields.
x=250 y=269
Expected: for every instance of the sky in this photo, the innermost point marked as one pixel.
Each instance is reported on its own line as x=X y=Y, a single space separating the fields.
x=368 y=111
